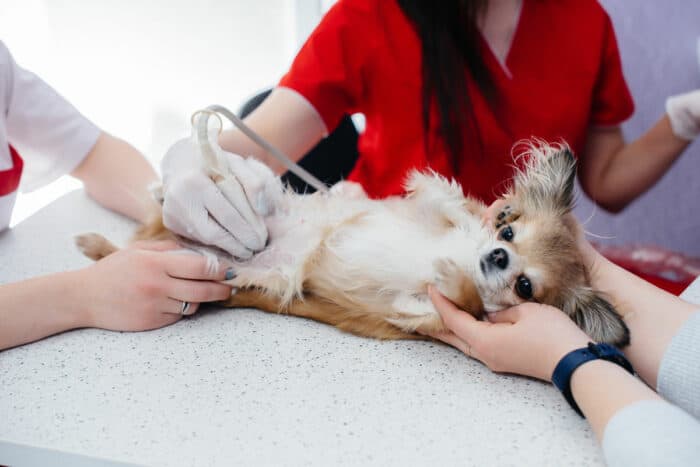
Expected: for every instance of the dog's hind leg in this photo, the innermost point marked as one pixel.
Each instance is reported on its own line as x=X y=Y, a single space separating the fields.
x=358 y=322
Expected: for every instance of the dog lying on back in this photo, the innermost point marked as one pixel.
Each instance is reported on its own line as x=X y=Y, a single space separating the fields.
x=364 y=265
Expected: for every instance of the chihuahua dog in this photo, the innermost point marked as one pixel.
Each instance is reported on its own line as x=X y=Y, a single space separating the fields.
x=364 y=265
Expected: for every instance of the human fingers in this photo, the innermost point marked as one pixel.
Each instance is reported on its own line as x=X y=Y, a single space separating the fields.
x=684 y=114
x=269 y=191
x=247 y=226
x=262 y=186
x=197 y=267
x=450 y=338
x=156 y=245
x=509 y=315
x=217 y=236
x=191 y=206
x=197 y=291
x=464 y=325
x=176 y=307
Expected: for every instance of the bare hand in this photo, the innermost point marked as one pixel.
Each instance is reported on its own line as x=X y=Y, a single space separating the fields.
x=528 y=339
x=144 y=287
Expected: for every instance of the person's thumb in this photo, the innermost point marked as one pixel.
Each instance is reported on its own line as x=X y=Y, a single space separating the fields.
x=509 y=315
x=458 y=321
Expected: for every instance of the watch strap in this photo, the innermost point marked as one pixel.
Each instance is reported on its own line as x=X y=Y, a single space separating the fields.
x=561 y=377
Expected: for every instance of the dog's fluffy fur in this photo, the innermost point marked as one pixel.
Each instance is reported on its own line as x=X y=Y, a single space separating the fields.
x=364 y=265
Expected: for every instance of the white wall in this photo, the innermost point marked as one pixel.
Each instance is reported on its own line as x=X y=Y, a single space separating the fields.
x=140 y=68
x=659 y=48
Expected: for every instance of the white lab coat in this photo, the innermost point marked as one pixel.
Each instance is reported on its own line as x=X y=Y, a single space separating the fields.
x=49 y=134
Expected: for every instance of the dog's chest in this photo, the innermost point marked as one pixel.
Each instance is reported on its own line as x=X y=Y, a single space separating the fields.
x=366 y=240
x=398 y=250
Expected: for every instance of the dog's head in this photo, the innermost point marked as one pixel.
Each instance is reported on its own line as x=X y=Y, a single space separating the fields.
x=533 y=255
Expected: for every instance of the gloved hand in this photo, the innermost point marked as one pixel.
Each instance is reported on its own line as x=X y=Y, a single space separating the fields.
x=684 y=112
x=227 y=213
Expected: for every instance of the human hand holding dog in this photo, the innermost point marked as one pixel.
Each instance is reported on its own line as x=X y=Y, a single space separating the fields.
x=652 y=315
x=144 y=286
x=528 y=339
x=227 y=213
x=138 y=288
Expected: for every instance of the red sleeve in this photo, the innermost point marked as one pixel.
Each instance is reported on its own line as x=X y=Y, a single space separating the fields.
x=328 y=70
x=612 y=101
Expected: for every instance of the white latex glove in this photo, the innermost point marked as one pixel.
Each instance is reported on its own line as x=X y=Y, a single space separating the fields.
x=228 y=213
x=684 y=112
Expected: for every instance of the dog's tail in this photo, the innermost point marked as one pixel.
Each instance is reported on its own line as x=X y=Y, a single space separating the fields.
x=95 y=246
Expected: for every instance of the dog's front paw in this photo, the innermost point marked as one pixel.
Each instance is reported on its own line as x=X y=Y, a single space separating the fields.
x=454 y=284
x=507 y=215
x=447 y=280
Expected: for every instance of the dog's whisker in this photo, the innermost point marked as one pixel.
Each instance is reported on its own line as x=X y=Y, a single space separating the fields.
x=600 y=237
x=590 y=217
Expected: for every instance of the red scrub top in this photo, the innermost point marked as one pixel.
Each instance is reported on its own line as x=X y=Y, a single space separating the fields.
x=9 y=179
x=562 y=76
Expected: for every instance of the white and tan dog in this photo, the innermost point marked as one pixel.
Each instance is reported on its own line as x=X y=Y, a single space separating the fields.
x=364 y=265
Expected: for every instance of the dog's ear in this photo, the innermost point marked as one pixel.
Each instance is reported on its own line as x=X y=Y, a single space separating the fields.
x=597 y=317
x=547 y=180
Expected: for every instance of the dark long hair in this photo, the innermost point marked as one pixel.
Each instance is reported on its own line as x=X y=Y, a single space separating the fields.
x=450 y=51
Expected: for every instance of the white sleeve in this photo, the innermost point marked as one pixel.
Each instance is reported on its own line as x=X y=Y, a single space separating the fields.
x=50 y=134
x=652 y=433
x=679 y=372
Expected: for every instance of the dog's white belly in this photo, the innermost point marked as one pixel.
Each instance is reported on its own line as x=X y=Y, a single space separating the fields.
x=367 y=245
x=395 y=250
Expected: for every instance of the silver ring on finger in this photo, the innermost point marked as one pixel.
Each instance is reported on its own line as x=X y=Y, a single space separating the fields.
x=469 y=350
x=185 y=308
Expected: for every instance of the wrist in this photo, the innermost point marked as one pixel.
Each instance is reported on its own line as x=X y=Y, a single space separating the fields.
x=561 y=350
x=562 y=376
x=76 y=289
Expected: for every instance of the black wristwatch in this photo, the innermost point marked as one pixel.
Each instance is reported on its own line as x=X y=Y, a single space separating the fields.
x=561 y=377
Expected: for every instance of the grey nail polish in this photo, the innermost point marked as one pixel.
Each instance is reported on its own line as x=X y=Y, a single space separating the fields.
x=230 y=274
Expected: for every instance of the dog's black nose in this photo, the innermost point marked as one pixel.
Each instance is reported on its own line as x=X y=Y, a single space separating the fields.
x=499 y=258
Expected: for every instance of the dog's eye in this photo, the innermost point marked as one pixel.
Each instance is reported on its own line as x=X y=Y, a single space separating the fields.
x=506 y=234
x=523 y=287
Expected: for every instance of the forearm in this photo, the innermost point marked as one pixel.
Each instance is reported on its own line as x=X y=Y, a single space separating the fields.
x=117 y=176
x=652 y=315
x=602 y=388
x=625 y=171
x=39 y=307
x=286 y=120
x=236 y=142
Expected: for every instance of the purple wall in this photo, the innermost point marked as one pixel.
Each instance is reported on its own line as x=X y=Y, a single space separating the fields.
x=658 y=44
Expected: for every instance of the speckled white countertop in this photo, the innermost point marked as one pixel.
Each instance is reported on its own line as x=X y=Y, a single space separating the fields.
x=246 y=387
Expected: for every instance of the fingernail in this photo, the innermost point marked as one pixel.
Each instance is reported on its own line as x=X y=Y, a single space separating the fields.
x=230 y=274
